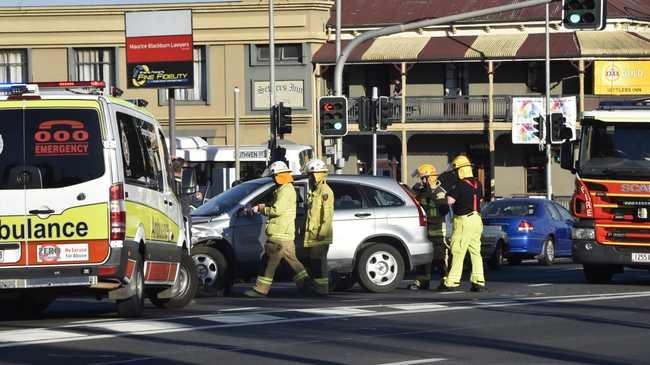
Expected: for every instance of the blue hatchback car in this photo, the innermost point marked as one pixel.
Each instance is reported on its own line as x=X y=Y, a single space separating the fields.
x=536 y=228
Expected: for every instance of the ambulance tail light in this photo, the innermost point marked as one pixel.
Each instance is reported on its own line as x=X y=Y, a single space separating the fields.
x=421 y=215
x=118 y=212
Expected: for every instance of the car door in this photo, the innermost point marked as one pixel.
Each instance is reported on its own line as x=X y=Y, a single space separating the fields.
x=554 y=221
x=249 y=231
x=354 y=221
x=388 y=209
x=564 y=230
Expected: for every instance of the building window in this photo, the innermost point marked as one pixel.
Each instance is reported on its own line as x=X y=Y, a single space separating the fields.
x=199 y=92
x=285 y=53
x=95 y=64
x=13 y=66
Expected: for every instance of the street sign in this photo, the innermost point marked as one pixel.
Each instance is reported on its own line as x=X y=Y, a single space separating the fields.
x=159 y=49
x=526 y=109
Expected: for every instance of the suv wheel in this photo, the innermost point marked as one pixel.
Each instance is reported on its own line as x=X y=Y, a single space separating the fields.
x=184 y=288
x=380 y=268
x=212 y=270
x=134 y=306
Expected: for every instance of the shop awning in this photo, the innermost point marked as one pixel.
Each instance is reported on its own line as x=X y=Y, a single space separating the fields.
x=613 y=44
x=395 y=48
x=565 y=45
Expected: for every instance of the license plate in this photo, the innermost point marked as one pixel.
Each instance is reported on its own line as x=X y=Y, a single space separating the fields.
x=641 y=257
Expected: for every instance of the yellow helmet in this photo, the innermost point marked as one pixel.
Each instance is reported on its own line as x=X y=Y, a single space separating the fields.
x=427 y=170
x=463 y=166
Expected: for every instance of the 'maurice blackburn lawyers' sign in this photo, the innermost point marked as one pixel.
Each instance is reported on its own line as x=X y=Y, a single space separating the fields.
x=159 y=49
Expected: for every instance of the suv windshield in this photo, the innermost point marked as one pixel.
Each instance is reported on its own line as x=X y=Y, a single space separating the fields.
x=618 y=150
x=511 y=209
x=229 y=198
x=49 y=148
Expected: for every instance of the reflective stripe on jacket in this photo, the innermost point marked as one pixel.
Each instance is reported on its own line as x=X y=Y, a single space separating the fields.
x=281 y=213
x=320 y=214
x=435 y=207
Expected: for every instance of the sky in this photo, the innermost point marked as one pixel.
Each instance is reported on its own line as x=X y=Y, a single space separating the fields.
x=25 y=3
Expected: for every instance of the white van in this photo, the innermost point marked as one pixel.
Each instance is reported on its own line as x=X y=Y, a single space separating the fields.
x=215 y=165
x=89 y=201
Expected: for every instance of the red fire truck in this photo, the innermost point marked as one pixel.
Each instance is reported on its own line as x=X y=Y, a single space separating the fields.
x=612 y=195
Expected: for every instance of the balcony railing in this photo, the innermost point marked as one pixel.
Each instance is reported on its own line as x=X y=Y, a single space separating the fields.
x=431 y=109
x=420 y=109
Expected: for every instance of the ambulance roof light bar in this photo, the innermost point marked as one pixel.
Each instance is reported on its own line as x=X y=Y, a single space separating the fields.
x=16 y=90
x=72 y=84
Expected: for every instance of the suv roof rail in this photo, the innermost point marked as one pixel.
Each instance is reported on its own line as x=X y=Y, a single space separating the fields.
x=631 y=104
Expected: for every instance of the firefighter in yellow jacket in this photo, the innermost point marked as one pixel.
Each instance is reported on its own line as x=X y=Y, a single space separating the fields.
x=318 y=226
x=464 y=198
x=280 y=232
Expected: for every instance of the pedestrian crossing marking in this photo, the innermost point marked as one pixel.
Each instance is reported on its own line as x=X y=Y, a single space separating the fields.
x=240 y=318
x=37 y=334
x=334 y=311
x=135 y=326
x=408 y=307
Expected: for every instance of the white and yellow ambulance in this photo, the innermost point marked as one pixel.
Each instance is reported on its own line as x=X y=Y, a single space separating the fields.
x=87 y=201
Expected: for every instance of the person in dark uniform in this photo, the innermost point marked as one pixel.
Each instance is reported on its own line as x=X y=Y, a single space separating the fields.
x=432 y=198
x=464 y=198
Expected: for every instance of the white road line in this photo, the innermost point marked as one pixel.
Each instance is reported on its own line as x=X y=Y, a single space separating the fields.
x=409 y=307
x=542 y=284
x=240 y=318
x=45 y=335
x=137 y=326
x=124 y=361
x=334 y=311
x=239 y=309
x=413 y=362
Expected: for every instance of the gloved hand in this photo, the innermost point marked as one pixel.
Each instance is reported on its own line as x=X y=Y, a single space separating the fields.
x=259 y=208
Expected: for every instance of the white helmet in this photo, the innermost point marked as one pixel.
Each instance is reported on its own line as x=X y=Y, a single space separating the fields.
x=315 y=165
x=278 y=167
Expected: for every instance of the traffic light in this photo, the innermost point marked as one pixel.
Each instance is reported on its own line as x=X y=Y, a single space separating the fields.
x=366 y=115
x=584 y=14
x=284 y=119
x=385 y=112
x=538 y=131
x=557 y=123
x=560 y=129
x=333 y=116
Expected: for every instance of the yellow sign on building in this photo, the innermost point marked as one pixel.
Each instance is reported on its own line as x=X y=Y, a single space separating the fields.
x=621 y=77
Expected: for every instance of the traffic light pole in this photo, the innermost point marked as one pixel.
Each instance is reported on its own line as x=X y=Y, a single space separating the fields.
x=375 y=97
x=547 y=119
x=340 y=62
x=338 y=142
x=273 y=143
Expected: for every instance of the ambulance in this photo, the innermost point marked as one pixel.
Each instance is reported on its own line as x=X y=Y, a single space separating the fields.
x=88 y=201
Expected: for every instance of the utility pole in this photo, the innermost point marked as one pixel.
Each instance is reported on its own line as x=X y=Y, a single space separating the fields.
x=237 y=144
x=338 y=144
x=375 y=97
x=273 y=143
x=547 y=118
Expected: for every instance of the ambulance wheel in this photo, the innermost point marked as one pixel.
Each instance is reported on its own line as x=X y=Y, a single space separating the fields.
x=184 y=288
x=380 y=268
x=134 y=306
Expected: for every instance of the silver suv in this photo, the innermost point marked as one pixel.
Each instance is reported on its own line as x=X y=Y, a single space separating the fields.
x=379 y=233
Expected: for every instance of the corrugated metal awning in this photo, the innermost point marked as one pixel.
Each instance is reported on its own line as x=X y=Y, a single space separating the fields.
x=612 y=44
x=564 y=45
x=395 y=49
x=495 y=46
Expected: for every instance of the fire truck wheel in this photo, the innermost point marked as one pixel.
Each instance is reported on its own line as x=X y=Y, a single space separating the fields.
x=134 y=306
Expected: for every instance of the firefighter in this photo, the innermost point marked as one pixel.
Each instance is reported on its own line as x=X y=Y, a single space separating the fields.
x=431 y=197
x=464 y=198
x=318 y=226
x=280 y=232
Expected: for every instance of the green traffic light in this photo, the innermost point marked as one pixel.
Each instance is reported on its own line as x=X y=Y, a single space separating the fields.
x=575 y=18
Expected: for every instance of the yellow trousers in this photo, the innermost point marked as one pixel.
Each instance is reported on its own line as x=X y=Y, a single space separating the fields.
x=466 y=236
